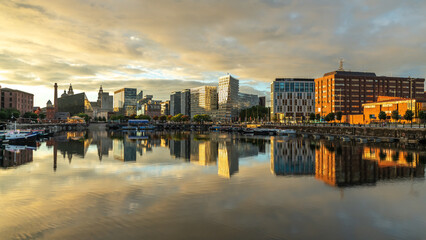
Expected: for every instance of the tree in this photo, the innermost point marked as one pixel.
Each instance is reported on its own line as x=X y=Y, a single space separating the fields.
x=30 y=115
x=185 y=118
x=3 y=115
x=200 y=118
x=163 y=118
x=85 y=116
x=177 y=118
x=395 y=115
x=330 y=117
x=409 y=116
x=382 y=115
x=42 y=116
x=255 y=112
x=318 y=117
x=169 y=118
x=339 y=116
x=155 y=118
x=422 y=116
x=312 y=116
x=96 y=119
x=145 y=117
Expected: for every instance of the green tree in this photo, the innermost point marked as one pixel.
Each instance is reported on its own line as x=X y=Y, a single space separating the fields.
x=312 y=116
x=177 y=118
x=395 y=116
x=42 y=116
x=339 y=116
x=330 y=117
x=85 y=116
x=163 y=118
x=317 y=117
x=185 y=118
x=96 y=119
x=3 y=115
x=200 y=118
x=382 y=115
x=422 y=117
x=169 y=118
x=409 y=116
x=30 y=115
x=145 y=117
x=155 y=118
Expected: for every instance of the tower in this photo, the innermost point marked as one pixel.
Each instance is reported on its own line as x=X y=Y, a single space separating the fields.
x=55 y=98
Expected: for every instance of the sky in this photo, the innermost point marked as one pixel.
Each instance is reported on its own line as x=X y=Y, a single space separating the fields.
x=166 y=45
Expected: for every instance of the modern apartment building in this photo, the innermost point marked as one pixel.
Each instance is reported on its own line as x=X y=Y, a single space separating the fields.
x=185 y=102
x=346 y=91
x=292 y=99
x=175 y=103
x=165 y=108
x=204 y=101
x=125 y=101
x=228 y=98
x=16 y=99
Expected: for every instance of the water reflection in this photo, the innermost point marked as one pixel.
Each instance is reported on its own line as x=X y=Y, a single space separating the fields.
x=341 y=165
x=13 y=156
x=335 y=163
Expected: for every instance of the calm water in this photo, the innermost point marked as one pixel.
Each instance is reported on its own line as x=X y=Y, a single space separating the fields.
x=100 y=185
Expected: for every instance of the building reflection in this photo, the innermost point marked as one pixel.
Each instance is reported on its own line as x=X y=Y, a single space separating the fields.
x=294 y=157
x=71 y=143
x=214 y=149
x=13 y=156
x=342 y=165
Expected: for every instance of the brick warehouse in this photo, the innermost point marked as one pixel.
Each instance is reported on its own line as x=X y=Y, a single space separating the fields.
x=346 y=91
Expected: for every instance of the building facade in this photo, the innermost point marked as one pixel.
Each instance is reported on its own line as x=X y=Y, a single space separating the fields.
x=15 y=99
x=246 y=100
x=228 y=98
x=390 y=104
x=125 y=101
x=165 y=108
x=75 y=104
x=346 y=91
x=185 y=102
x=175 y=103
x=262 y=101
x=292 y=99
x=152 y=108
x=204 y=101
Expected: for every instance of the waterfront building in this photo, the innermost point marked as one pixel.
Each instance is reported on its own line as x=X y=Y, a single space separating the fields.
x=388 y=105
x=185 y=102
x=165 y=108
x=246 y=100
x=228 y=98
x=175 y=103
x=346 y=91
x=50 y=110
x=103 y=105
x=204 y=101
x=292 y=99
x=125 y=101
x=262 y=101
x=141 y=102
x=139 y=96
x=152 y=108
x=74 y=104
x=16 y=99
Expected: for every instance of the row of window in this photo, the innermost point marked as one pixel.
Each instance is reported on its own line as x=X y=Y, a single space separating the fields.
x=293 y=87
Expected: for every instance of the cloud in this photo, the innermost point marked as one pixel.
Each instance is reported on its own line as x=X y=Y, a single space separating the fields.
x=42 y=41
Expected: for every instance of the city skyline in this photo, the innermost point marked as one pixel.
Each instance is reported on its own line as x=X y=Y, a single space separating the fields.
x=92 y=43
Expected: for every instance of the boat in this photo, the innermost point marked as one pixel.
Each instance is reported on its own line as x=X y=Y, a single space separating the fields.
x=147 y=127
x=16 y=136
x=248 y=131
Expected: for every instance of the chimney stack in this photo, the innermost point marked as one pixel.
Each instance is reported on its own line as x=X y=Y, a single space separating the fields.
x=55 y=101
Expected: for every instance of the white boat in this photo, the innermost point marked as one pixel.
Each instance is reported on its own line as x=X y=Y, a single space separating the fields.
x=17 y=135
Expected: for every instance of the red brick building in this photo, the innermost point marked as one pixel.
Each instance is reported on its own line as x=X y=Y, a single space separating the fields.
x=346 y=91
x=11 y=98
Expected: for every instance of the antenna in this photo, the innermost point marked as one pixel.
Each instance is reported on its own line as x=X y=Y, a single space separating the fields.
x=341 y=61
